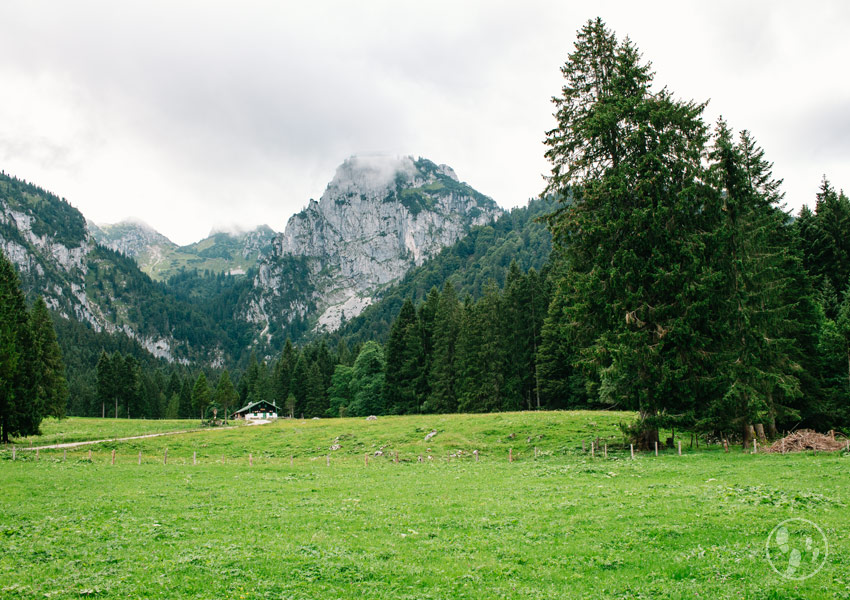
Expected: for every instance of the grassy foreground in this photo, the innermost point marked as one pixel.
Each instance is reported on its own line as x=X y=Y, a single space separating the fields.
x=82 y=429
x=559 y=525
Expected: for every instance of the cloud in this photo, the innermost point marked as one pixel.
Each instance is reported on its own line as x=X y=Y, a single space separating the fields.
x=194 y=113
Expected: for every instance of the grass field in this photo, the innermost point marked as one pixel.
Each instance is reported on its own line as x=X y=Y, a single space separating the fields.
x=558 y=525
x=80 y=429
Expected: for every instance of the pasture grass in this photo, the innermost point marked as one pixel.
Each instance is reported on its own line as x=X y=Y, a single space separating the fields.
x=558 y=525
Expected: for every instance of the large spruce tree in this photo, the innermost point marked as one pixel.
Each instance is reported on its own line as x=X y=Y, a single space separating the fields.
x=632 y=233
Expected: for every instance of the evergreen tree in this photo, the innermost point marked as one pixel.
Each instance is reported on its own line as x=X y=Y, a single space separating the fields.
x=340 y=395
x=404 y=357
x=316 y=404
x=283 y=371
x=298 y=389
x=186 y=411
x=630 y=161
x=20 y=407
x=367 y=383
x=225 y=394
x=481 y=357
x=757 y=363
x=201 y=395
x=51 y=386
x=426 y=315
x=442 y=375
x=106 y=382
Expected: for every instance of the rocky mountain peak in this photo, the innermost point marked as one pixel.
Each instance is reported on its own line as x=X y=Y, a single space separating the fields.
x=378 y=217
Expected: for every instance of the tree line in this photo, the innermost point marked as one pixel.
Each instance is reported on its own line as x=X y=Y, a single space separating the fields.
x=32 y=374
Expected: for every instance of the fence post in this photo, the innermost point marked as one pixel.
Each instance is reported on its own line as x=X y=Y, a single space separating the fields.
x=291 y=460
x=250 y=459
x=36 y=453
x=511 y=455
x=475 y=452
x=165 y=458
x=14 y=452
x=328 y=460
x=89 y=454
x=396 y=457
x=656 y=448
x=680 y=447
x=64 y=455
x=194 y=457
x=140 y=457
x=113 y=456
x=755 y=447
x=632 y=450
x=605 y=451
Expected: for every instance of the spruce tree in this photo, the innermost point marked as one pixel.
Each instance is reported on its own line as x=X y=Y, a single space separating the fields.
x=20 y=407
x=367 y=382
x=443 y=374
x=201 y=395
x=630 y=160
x=225 y=394
x=757 y=362
x=51 y=386
x=405 y=363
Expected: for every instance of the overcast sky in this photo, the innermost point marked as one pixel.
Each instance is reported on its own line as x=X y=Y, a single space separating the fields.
x=200 y=115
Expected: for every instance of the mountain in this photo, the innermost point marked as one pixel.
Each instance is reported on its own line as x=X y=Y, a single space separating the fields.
x=102 y=289
x=135 y=239
x=378 y=218
x=221 y=252
x=482 y=255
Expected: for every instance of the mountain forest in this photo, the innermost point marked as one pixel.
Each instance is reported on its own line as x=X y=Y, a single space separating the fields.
x=658 y=272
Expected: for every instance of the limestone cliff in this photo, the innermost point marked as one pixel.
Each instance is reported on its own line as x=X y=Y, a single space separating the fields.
x=379 y=217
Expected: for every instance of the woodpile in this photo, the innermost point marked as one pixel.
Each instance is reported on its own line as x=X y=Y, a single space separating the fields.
x=807 y=439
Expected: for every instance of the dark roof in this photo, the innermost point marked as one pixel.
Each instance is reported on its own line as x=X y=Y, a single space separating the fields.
x=248 y=407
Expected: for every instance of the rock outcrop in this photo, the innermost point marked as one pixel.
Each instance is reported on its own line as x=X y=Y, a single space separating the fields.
x=379 y=217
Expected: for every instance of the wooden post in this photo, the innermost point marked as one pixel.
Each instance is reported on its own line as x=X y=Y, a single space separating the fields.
x=632 y=450
x=250 y=459
x=396 y=457
x=605 y=451
x=113 y=456
x=535 y=452
x=592 y=449
x=36 y=453
x=328 y=460
x=511 y=455
x=89 y=454
x=725 y=445
x=582 y=447
x=656 y=448
x=755 y=447
x=64 y=455
x=291 y=460
x=165 y=458
x=140 y=457
x=680 y=447
x=14 y=452
x=194 y=457
x=475 y=452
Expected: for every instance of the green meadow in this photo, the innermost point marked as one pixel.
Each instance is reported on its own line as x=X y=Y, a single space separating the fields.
x=555 y=523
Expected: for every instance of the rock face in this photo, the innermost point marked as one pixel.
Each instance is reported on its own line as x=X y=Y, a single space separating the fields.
x=379 y=217
x=132 y=238
x=56 y=256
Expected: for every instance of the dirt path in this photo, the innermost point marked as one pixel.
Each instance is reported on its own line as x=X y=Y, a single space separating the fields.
x=135 y=437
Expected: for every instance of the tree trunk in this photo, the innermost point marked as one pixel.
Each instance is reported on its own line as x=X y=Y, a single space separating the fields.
x=760 y=432
x=771 y=428
x=747 y=437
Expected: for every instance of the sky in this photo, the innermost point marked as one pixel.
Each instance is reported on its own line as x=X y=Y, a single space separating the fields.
x=202 y=115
